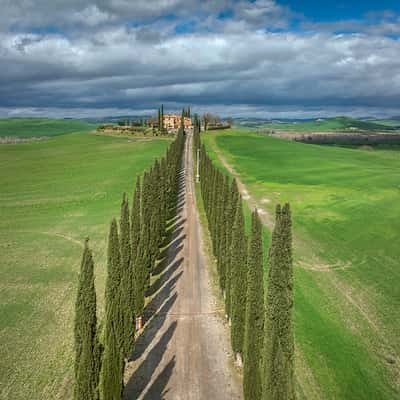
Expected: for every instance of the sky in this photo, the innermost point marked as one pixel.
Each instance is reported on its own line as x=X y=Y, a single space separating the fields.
x=259 y=58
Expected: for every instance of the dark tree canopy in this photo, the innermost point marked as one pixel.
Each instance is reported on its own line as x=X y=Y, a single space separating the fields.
x=238 y=279
x=87 y=357
x=254 y=324
x=113 y=357
x=278 y=371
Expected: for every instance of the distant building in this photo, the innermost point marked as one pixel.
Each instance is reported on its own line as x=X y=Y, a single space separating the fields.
x=173 y=121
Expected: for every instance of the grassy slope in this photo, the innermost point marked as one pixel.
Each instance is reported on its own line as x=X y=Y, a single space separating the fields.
x=35 y=127
x=346 y=212
x=388 y=122
x=326 y=125
x=53 y=195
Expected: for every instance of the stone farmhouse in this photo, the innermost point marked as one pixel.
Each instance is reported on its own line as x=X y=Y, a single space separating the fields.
x=173 y=121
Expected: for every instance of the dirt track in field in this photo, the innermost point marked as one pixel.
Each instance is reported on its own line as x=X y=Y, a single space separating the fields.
x=183 y=352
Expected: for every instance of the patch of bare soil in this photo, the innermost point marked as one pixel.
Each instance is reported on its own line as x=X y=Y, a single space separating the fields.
x=16 y=140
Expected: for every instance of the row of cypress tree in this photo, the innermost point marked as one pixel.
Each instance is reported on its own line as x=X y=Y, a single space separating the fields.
x=133 y=250
x=261 y=326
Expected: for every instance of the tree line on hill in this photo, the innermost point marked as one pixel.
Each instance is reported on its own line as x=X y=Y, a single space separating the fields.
x=344 y=139
x=132 y=122
x=214 y=122
x=102 y=350
x=260 y=324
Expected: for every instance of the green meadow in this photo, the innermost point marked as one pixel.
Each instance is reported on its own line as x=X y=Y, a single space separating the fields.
x=328 y=125
x=346 y=214
x=394 y=123
x=54 y=193
x=39 y=127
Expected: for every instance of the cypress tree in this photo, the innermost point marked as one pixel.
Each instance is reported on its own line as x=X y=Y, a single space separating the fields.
x=153 y=243
x=126 y=277
x=135 y=238
x=135 y=220
x=182 y=127
x=159 y=120
x=163 y=195
x=238 y=280
x=278 y=369
x=162 y=118
x=254 y=334
x=152 y=218
x=234 y=197
x=157 y=205
x=141 y=270
x=212 y=210
x=224 y=226
x=146 y=236
x=217 y=209
x=86 y=340
x=113 y=361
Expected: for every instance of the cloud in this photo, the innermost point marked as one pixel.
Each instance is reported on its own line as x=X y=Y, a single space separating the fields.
x=91 y=16
x=28 y=14
x=384 y=23
x=236 y=64
x=263 y=13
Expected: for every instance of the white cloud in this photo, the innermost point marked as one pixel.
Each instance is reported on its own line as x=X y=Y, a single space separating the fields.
x=91 y=16
x=67 y=13
x=263 y=13
x=231 y=63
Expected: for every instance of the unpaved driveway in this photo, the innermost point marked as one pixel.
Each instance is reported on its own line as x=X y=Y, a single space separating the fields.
x=184 y=352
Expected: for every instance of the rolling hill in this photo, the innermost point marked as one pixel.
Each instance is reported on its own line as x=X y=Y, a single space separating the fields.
x=39 y=127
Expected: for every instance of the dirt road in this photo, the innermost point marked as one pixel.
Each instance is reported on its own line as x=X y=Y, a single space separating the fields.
x=184 y=352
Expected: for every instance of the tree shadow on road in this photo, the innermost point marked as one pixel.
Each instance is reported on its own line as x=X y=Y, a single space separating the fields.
x=156 y=312
x=164 y=277
x=169 y=252
x=153 y=326
x=142 y=376
x=157 y=389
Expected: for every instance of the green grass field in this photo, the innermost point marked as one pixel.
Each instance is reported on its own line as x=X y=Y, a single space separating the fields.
x=346 y=208
x=327 y=125
x=38 y=127
x=53 y=194
x=388 y=122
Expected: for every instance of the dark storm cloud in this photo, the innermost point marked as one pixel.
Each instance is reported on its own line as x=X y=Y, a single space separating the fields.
x=124 y=55
x=72 y=13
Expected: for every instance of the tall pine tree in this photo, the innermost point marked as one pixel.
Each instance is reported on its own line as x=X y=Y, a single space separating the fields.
x=141 y=270
x=146 y=250
x=126 y=277
x=135 y=238
x=162 y=119
x=223 y=251
x=254 y=324
x=182 y=127
x=234 y=197
x=238 y=278
x=87 y=358
x=278 y=349
x=112 y=368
